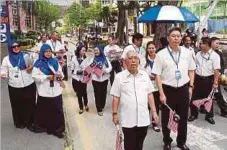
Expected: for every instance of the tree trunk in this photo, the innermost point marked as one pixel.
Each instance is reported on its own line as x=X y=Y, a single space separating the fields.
x=161 y=28
x=121 y=22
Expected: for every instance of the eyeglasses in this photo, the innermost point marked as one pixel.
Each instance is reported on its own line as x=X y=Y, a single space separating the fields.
x=14 y=46
x=48 y=51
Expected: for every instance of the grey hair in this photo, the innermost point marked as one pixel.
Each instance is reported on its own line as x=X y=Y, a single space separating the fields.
x=130 y=51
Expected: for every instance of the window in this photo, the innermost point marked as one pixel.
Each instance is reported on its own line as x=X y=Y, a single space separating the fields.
x=14 y=8
x=15 y=20
x=28 y=21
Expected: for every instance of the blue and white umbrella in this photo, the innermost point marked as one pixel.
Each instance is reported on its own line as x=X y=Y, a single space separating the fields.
x=167 y=14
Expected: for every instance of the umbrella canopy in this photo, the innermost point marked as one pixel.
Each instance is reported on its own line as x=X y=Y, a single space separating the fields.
x=167 y=14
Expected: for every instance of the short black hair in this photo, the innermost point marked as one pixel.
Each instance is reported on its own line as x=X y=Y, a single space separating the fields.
x=184 y=38
x=137 y=36
x=174 y=29
x=214 y=39
x=206 y=40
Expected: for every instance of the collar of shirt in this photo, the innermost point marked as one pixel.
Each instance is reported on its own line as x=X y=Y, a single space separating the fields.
x=128 y=74
x=173 y=52
x=136 y=48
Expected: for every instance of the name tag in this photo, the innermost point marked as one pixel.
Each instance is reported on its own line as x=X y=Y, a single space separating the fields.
x=177 y=75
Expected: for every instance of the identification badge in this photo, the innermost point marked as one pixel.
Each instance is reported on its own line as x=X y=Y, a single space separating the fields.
x=177 y=75
x=16 y=73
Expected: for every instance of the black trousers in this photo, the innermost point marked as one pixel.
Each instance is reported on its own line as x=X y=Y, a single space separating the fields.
x=116 y=67
x=23 y=103
x=203 y=87
x=81 y=92
x=134 y=137
x=100 y=90
x=178 y=100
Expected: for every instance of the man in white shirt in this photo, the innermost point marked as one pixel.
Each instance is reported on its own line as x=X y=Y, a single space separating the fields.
x=112 y=51
x=136 y=46
x=132 y=91
x=55 y=45
x=187 y=44
x=174 y=69
x=206 y=78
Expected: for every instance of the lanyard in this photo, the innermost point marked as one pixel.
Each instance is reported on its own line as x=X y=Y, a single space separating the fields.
x=205 y=57
x=178 y=60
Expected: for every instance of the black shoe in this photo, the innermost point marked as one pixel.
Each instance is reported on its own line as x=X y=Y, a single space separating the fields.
x=167 y=147
x=210 y=120
x=81 y=111
x=87 y=108
x=183 y=147
x=192 y=118
x=224 y=115
x=60 y=135
x=20 y=126
x=37 y=129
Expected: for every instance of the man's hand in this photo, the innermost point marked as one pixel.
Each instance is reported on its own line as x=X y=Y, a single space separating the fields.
x=29 y=69
x=155 y=116
x=163 y=98
x=115 y=119
x=215 y=86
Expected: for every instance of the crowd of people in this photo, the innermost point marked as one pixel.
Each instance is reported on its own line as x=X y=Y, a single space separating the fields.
x=143 y=83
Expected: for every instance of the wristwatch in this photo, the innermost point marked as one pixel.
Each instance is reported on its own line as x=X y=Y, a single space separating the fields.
x=114 y=113
x=192 y=86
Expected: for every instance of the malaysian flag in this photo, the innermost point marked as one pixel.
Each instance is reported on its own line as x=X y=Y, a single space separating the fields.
x=172 y=124
x=98 y=70
x=86 y=77
x=89 y=69
x=207 y=102
x=119 y=139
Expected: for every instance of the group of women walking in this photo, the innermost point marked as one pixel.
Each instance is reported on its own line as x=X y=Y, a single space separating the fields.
x=35 y=90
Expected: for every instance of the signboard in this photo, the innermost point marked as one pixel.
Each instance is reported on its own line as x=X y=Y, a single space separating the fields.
x=4 y=26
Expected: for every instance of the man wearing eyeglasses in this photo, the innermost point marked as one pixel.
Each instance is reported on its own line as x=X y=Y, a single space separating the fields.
x=174 y=69
x=206 y=78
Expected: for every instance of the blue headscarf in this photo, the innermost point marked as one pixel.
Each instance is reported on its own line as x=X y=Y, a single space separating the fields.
x=101 y=58
x=43 y=63
x=16 y=59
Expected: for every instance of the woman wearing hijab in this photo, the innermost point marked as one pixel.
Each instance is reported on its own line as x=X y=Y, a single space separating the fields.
x=100 y=83
x=150 y=56
x=79 y=87
x=17 y=67
x=48 y=76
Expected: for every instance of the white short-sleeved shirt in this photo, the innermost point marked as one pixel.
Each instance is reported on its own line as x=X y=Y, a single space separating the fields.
x=16 y=78
x=133 y=92
x=165 y=66
x=55 y=46
x=207 y=62
x=134 y=48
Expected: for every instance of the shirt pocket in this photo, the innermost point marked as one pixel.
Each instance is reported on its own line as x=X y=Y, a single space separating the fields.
x=127 y=86
x=143 y=86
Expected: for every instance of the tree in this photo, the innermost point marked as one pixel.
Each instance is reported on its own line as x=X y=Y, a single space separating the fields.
x=43 y=11
x=161 y=28
x=121 y=21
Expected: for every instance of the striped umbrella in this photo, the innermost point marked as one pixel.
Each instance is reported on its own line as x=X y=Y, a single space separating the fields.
x=167 y=14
